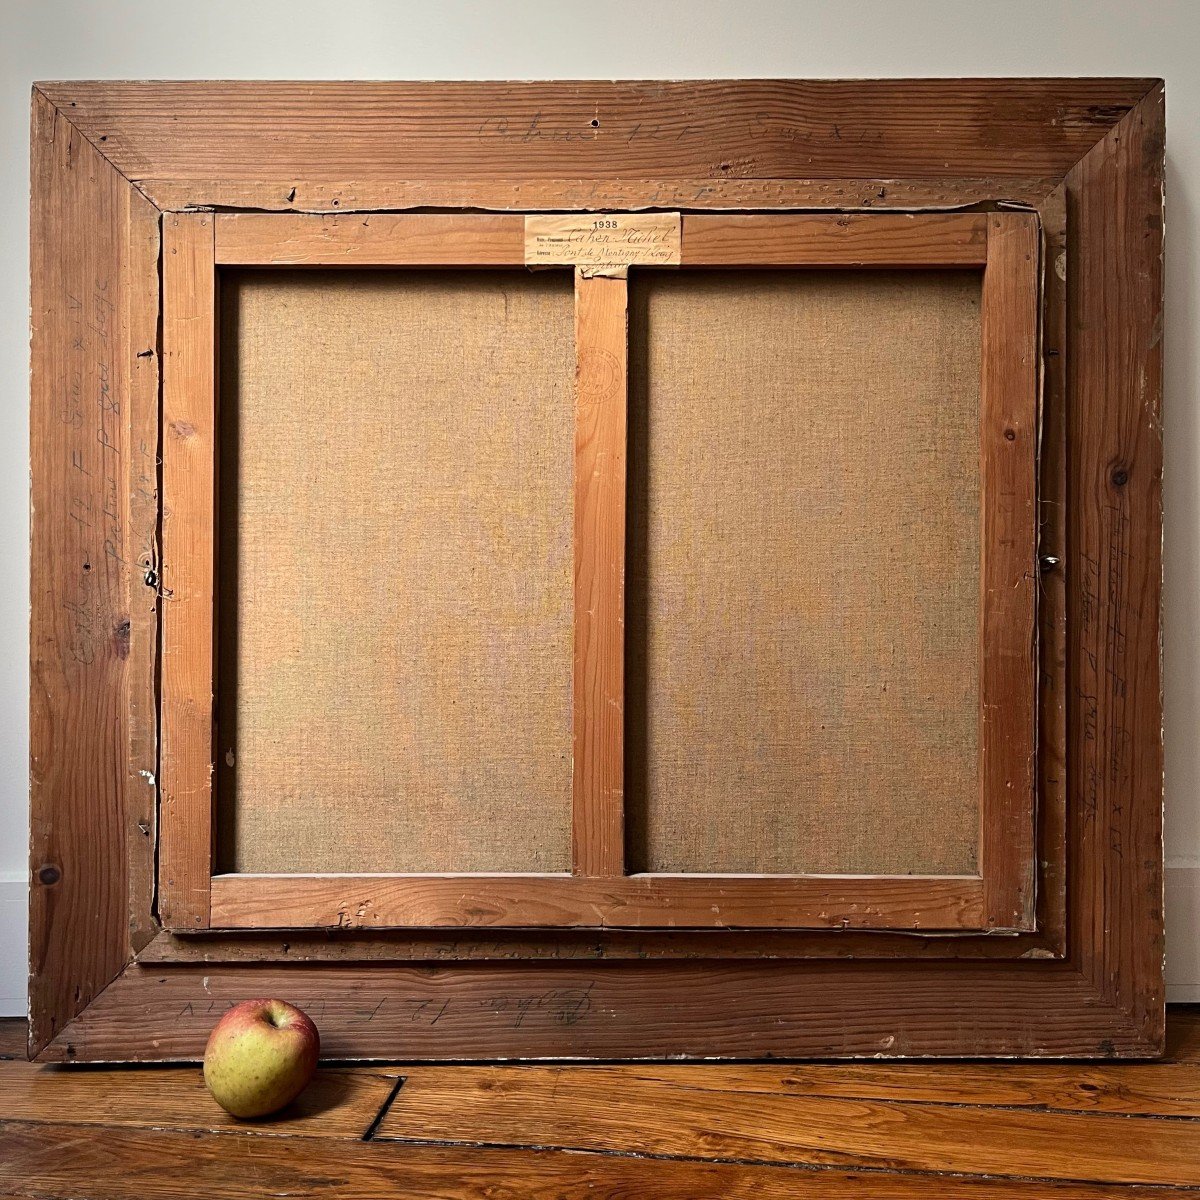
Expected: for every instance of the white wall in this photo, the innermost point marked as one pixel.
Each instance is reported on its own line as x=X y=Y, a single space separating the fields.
x=605 y=39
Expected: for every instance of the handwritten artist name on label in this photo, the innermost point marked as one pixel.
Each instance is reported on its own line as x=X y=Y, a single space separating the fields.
x=603 y=240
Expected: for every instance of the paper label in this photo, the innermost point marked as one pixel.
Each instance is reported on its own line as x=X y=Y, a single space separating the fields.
x=603 y=243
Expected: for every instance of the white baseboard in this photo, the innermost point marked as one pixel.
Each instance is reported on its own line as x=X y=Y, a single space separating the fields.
x=1183 y=938
x=14 y=973
x=1183 y=933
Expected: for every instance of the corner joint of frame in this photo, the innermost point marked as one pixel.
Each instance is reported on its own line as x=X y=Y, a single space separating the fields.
x=59 y=1047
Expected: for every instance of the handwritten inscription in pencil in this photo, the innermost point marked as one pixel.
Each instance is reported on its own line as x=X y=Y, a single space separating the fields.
x=519 y=1010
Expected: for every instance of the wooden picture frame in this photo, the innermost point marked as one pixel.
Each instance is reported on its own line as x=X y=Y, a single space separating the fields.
x=599 y=893
x=134 y=943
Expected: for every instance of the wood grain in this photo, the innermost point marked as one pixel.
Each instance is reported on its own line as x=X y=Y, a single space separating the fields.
x=189 y=559
x=845 y=240
x=601 y=372
x=943 y=191
x=610 y=131
x=381 y=239
x=670 y=1111
x=1114 y=531
x=1170 y=1088
x=515 y=901
x=131 y=1164
x=1050 y=899
x=982 y=143
x=337 y=1104
x=449 y=944
x=1009 y=431
x=465 y=1130
x=93 y=408
x=619 y=1009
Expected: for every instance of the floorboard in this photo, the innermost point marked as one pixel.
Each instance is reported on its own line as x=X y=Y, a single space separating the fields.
x=131 y=1164
x=337 y=1104
x=1062 y=1131
x=629 y=1109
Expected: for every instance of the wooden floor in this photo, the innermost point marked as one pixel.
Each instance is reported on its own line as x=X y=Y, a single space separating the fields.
x=638 y=1132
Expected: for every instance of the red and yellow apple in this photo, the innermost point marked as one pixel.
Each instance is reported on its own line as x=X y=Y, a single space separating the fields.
x=260 y=1057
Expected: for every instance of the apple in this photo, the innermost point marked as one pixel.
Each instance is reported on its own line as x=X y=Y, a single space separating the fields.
x=260 y=1057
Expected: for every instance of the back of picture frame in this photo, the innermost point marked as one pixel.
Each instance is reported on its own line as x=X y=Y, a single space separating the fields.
x=744 y=647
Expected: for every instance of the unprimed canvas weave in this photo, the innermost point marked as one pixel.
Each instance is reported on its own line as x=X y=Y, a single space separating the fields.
x=803 y=574
x=396 y=571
